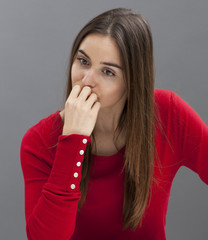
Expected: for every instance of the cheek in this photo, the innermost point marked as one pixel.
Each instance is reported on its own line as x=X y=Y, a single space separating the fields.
x=76 y=74
x=114 y=93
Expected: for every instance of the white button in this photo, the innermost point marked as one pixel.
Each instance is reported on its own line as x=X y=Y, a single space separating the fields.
x=72 y=186
x=76 y=174
x=81 y=152
x=84 y=140
x=78 y=164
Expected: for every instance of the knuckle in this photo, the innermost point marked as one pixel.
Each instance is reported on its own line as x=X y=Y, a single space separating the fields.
x=84 y=108
x=69 y=103
x=75 y=104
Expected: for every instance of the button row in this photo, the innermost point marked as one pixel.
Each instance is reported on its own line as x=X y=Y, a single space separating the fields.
x=84 y=140
x=81 y=152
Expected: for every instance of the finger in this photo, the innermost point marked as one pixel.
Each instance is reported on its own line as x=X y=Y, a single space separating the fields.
x=91 y=99
x=96 y=108
x=75 y=91
x=85 y=92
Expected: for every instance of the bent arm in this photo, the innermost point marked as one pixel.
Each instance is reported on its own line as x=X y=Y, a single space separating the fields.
x=191 y=135
x=52 y=195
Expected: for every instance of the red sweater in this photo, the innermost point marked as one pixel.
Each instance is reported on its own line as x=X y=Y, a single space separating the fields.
x=52 y=177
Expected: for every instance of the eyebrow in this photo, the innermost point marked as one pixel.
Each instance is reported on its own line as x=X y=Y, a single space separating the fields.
x=84 y=53
x=105 y=63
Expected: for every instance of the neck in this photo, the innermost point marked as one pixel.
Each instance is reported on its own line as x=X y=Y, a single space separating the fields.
x=107 y=122
x=104 y=131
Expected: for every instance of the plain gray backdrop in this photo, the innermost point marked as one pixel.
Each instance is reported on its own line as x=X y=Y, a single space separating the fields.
x=35 y=43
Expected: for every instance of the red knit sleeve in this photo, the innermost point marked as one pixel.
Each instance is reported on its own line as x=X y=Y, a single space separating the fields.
x=52 y=194
x=191 y=137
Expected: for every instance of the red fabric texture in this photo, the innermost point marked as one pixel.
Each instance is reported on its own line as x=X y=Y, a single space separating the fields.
x=51 y=203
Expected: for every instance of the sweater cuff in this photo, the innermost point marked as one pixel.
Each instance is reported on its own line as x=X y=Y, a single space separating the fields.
x=67 y=165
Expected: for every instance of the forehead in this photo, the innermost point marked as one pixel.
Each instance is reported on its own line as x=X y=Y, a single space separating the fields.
x=101 y=46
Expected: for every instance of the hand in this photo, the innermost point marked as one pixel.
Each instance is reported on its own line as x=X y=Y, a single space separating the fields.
x=80 y=112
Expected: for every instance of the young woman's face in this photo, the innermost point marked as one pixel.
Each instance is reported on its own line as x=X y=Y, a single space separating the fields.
x=97 y=64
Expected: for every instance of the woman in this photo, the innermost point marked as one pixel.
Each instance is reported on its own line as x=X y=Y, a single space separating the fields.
x=102 y=168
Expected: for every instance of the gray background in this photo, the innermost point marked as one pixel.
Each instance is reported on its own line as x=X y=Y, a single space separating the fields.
x=35 y=42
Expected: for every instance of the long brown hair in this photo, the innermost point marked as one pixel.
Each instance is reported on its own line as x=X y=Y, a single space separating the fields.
x=133 y=36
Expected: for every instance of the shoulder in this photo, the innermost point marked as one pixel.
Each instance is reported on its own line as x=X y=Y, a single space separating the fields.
x=37 y=146
x=163 y=96
x=167 y=99
x=163 y=100
x=45 y=132
x=172 y=101
x=168 y=107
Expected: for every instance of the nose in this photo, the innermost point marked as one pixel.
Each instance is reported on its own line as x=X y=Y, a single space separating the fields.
x=89 y=78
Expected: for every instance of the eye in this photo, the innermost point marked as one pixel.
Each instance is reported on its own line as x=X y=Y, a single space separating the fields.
x=82 y=61
x=108 y=72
